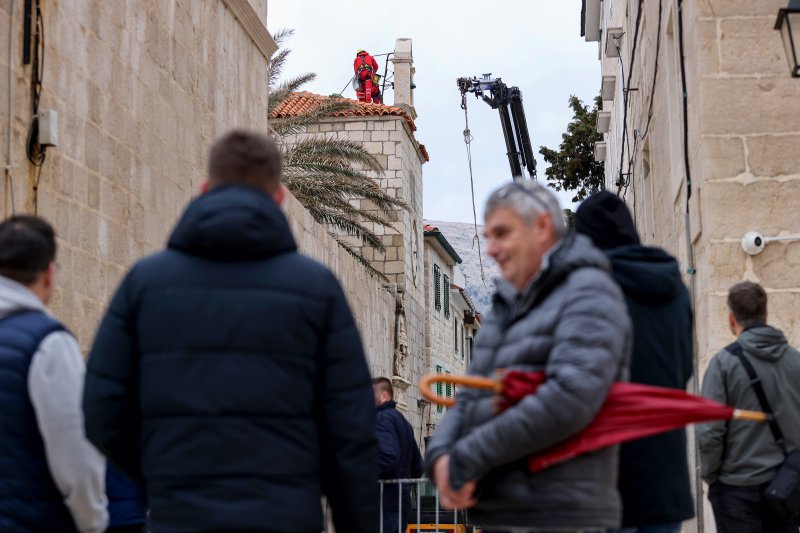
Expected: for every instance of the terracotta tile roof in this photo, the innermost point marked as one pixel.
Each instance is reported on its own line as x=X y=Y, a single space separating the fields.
x=302 y=102
x=429 y=228
x=424 y=152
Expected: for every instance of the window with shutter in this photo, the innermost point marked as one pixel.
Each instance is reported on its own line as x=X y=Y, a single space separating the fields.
x=455 y=336
x=437 y=299
x=446 y=289
x=448 y=391
x=439 y=408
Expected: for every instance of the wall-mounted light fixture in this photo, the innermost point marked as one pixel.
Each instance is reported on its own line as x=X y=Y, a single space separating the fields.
x=753 y=242
x=789 y=25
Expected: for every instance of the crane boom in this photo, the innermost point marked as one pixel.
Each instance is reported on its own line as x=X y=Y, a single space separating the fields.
x=508 y=101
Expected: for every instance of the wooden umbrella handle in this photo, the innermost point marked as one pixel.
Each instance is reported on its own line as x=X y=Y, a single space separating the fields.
x=475 y=382
x=752 y=416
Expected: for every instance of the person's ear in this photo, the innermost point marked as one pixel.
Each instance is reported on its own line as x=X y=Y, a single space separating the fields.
x=205 y=186
x=50 y=275
x=279 y=195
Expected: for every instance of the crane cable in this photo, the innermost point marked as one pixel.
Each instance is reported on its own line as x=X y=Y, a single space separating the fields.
x=467 y=140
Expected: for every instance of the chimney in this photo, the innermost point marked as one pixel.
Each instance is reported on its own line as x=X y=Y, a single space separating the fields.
x=403 y=61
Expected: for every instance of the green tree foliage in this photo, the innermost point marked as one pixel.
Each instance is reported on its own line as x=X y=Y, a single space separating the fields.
x=328 y=176
x=572 y=166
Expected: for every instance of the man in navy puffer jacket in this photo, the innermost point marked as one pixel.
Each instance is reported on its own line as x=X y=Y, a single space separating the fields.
x=228 y=374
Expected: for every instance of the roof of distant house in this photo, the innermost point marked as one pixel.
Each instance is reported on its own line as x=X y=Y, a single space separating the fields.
x=302 y=102
x=433 y=231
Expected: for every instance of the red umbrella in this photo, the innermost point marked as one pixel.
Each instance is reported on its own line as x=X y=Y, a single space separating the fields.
x=631 y=411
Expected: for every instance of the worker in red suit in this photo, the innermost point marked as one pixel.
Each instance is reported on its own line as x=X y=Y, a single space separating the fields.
x=366 y=70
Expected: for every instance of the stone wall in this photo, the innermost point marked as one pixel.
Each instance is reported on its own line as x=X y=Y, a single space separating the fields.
x=744 y=152
x=373 y=306
x=141 y=90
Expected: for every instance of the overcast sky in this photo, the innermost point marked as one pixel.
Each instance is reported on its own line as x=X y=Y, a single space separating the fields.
x=535 y=45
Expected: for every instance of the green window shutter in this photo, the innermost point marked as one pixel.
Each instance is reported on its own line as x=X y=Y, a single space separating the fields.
x=455 y=335
x=446 y=296
x=439 y=408
x=448 y=388
x=437 y=299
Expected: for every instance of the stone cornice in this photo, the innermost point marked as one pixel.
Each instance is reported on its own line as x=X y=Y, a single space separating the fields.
x=253 y=26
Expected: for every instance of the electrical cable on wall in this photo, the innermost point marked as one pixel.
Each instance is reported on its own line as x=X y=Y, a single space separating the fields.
x=9 y=179
x=36 y=152
x=655 y=70
x=626 y=91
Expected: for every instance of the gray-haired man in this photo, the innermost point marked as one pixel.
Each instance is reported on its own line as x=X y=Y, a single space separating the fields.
x=558 y=310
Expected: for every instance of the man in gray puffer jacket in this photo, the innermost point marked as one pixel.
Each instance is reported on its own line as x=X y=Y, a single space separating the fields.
x=556 y=310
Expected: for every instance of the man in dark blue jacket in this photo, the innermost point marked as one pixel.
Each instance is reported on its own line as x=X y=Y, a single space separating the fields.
x=398 y=456
x=653 y=472
x=228 y=374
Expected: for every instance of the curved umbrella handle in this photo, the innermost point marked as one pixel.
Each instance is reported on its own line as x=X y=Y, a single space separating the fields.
x=475 y=382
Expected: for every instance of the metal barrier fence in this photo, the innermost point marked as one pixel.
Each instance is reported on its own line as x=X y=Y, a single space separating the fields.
x=426 y=514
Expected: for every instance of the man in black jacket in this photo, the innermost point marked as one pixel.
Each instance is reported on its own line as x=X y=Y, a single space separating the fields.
x=228 y=373
x=653 y=472
x=398 y=455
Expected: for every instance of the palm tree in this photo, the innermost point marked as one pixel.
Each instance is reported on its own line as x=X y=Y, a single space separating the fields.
x=327 y=175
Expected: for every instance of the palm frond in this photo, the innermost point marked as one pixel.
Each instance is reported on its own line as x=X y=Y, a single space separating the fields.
x=282 y=91
x=326 y=185
x=360 y=258
x=343 y=150
x=345 y=221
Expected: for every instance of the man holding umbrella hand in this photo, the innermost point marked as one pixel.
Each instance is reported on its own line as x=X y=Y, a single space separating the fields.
x=556 y=310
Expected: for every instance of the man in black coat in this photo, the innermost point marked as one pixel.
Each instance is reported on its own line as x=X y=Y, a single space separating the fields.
x=228 y=374
x=398 y=456
x=653 y=472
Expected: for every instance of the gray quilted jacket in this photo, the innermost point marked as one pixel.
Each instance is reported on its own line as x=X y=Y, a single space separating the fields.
x=571 y=322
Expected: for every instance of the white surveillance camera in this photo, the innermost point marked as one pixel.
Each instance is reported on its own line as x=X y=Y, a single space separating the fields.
x=753 y=242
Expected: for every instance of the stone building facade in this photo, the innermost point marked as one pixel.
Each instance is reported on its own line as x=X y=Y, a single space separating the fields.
x=740 y=144
x=387 y=132
x=451 y=319
x=141 y=90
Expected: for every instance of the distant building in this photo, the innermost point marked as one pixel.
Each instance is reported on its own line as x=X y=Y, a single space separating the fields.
x=451 y=320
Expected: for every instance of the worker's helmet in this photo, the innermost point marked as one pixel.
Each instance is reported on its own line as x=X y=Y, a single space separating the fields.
x=361 y=51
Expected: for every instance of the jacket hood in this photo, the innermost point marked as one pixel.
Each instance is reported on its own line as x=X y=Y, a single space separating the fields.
x=764 y=342
x=606 y=220
x=646 y=274
x=233 y=223
x=16 y=297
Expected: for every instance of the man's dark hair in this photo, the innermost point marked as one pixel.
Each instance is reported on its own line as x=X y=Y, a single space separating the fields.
x=27 y=247
x=747 y=302
x=245 y=157
x=383 y=385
